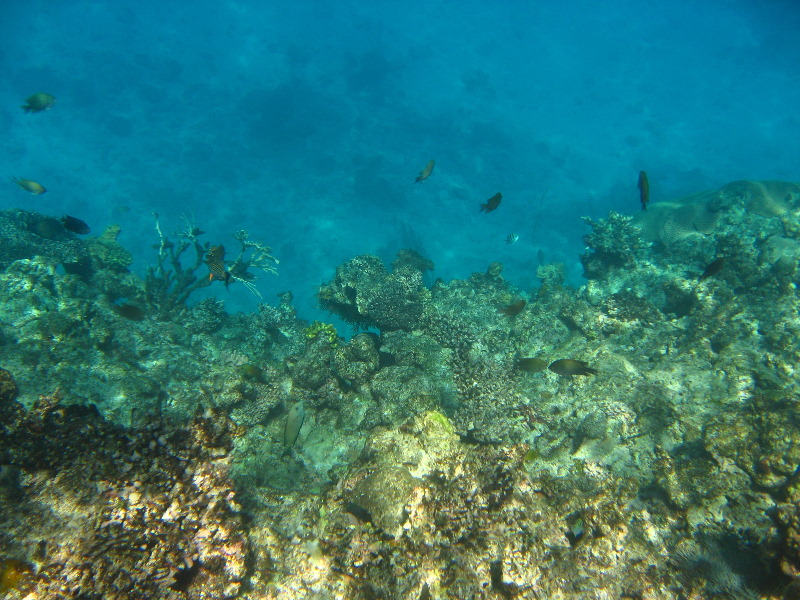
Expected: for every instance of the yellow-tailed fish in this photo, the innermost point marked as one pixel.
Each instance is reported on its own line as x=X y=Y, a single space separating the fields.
x=29 y=186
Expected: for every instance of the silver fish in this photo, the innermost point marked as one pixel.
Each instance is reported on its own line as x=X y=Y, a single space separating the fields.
x=512 y=238
x=294 y=421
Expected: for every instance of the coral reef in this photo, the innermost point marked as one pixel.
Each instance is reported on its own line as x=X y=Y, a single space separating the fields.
x=102 y=512
x=433 y=462
x=171 y=281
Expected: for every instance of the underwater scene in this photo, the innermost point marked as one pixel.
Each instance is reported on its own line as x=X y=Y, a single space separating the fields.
x=428 y=301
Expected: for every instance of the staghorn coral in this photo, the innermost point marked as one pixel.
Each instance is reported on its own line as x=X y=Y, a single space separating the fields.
x=171 y=281
x=121 y=514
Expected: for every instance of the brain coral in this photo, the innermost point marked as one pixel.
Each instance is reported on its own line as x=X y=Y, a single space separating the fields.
x=765 y=198
x=669 y=222
x=672 y=221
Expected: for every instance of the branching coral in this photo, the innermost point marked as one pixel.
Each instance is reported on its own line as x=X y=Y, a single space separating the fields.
x=170 y=282
x=614 y=243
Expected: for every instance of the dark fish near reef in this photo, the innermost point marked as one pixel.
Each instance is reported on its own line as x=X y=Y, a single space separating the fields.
x=531 y=365
x=294 y=421
x=129 y=311
x=512 y=309
x=29 y=186
x=39 y=102
x=426 y=172
x=492 y=203
x=215 y=259
x=644 y=189
x=252 y=373
x=712 y=269
x=75 y=225
x=567 y=366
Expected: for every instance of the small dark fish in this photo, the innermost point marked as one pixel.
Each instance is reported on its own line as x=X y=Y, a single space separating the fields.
x=713 y=268
x=75 y=225
x=39 y=102
x=531 y=365
x=358 y=511
x=29 y=186
x=644 y=189
x=252 y=372
x=426 y=172
x=540 y=256
x=567 y=366
x=492 y=203
x=129 y=311
x=49 y=228
x=512 y=309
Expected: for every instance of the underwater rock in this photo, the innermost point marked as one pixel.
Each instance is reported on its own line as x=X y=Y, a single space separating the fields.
x=780 y=252
x=383 y=494
x=108 y=254
x=356 y=361
x=403 y=391
x=762 y=438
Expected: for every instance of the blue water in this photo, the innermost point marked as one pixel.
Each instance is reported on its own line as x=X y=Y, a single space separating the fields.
x=307 y=122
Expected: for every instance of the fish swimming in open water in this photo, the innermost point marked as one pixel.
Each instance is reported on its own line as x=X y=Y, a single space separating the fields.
x=644 y=189
x=29 y=186
x=512 y=238
x=492 y=203
x=38 y=102
x=426 y=172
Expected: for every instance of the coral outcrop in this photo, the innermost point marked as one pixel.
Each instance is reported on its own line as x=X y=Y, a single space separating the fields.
x=97 y=511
